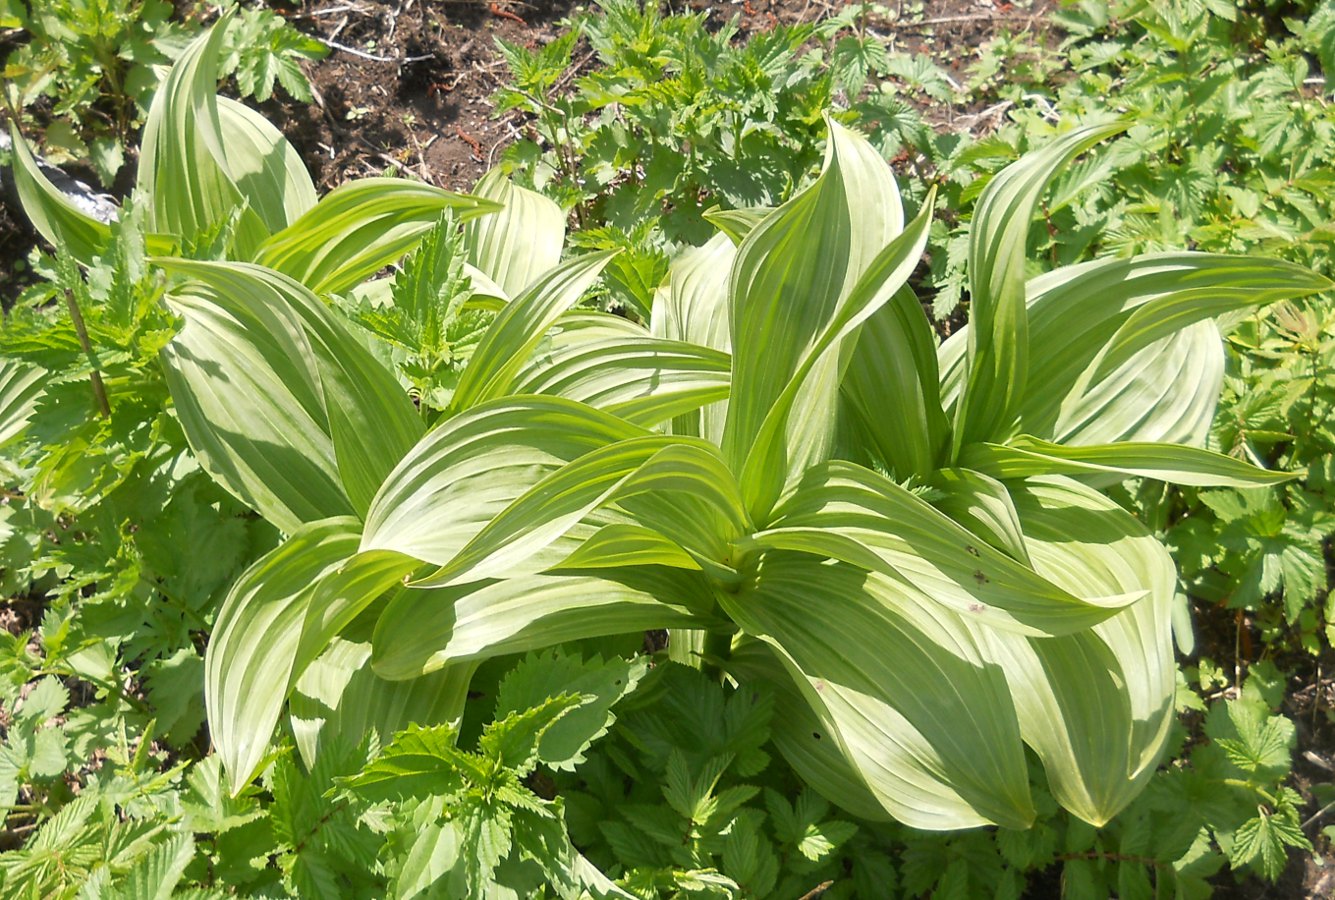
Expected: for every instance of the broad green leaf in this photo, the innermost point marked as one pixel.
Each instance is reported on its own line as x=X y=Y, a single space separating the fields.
x=1081 y=309
x=981 y=504
x=792 y=275
x=1262 y=283
x=682 y=489
x=692 y=306
x=266 y=169
x=772 y=451
x=1025 y=456
x=339 y=697
x=547 y=511
x=244 y=383
x=422 y=630
x=1095 y=706
x=999 y=334
x=20 y=387
x=182 y=158
x=645 y=380
x=1166 y=393
x=519 y=328
x=359 y=228
x=891 y=385
x=618 y=545
x=474 y=465
x=802 y=738
x=249 y=663
x=53 y=214
x=520 y=241
x=851 y=514
x=311 y=367
x=344 y=594
x=919 y=711
x=736 y=224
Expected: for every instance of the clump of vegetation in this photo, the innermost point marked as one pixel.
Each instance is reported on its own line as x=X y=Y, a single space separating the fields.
x=433 y=494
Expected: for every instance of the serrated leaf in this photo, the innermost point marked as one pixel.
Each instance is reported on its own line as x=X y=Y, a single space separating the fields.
x=514 y=740
x=821 y=840
x=597 y=684
x=1264 y=840
x=156 y=874
x=418 y=762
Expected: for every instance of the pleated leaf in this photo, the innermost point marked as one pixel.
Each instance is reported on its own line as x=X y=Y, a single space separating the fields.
x=1026 y=456
x=422 y=630
x=773 y=452
x=317 y=377
x=857 y=516
x=1095 y=706
x=20 y=387
x=474 y=465
x=1166 y=393
x=922 y=715
x=1080 y=309
x=250 y=660
x=359 y=228
x=645 y=381
x=520 y=327
x=678 y=482
x=983 y=505
x=244 y=383
x=267 y=170
x=998 y=340
x=803 y=739
x=692 y=306
x=792 y=274
x=339 y=697
x=615 y=546
x=182 y=160
x=520 y=241
x=546 y=511
x=54 y=215
x=891 y=386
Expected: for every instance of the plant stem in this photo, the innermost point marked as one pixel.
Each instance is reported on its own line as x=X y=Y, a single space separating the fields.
x=99 y=389
x=718 y=648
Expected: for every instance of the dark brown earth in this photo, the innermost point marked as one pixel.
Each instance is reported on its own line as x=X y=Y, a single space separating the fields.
x=408 y=86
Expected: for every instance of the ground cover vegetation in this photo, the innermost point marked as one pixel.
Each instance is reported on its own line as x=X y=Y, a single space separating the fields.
x=569 y=556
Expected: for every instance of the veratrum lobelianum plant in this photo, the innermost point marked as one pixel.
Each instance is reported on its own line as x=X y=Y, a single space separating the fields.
x=900 y=539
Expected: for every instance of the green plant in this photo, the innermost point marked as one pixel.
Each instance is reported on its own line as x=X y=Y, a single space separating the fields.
x=684 y=799
x=676 y=117
x=524 y=520
x=97 y=62
x=566 y=472
x=1230 y=152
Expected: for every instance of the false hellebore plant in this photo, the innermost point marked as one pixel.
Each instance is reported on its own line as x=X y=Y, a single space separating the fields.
x=902 y=540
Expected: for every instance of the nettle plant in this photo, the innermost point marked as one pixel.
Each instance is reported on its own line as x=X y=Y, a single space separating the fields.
x=903 y=541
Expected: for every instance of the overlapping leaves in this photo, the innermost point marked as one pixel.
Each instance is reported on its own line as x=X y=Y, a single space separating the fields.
x=583 y=481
